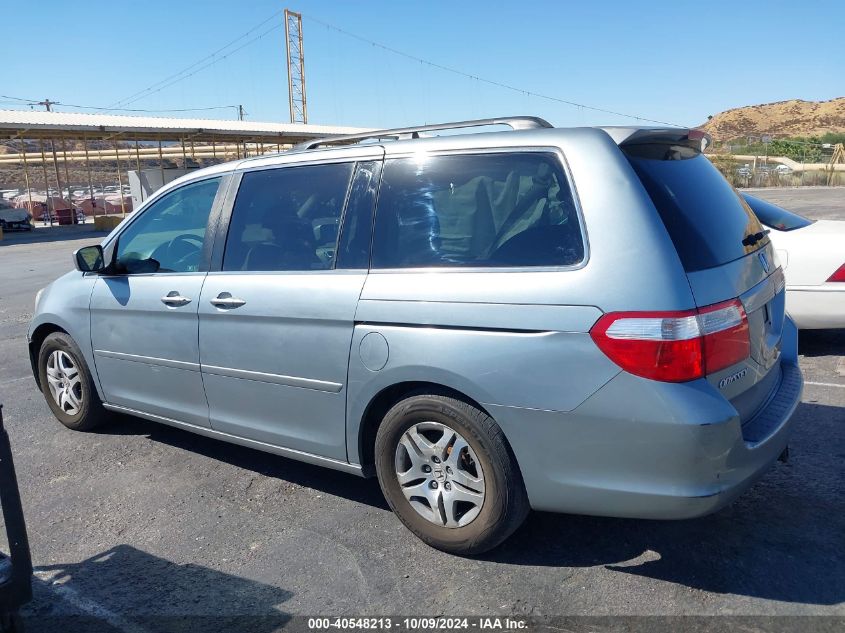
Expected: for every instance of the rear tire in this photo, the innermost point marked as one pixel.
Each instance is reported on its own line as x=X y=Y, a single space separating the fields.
x=448 y=473
x=67 y=384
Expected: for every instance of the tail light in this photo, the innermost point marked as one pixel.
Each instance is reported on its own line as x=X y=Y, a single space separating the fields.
x=839 y=275
x=675 y=346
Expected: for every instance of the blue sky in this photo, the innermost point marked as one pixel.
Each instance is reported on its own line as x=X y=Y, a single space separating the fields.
x=671 y=61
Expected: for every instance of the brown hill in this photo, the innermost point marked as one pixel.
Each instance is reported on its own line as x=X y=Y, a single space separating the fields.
x=784 y=118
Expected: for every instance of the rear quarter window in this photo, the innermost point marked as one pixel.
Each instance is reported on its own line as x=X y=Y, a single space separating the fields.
x=708 y=221
x=476 y=210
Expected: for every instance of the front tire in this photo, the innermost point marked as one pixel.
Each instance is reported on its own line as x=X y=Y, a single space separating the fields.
x=67 y=384
x=447 y=472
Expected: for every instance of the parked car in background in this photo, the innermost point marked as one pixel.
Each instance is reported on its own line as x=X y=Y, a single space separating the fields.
x=12 y=219
x=581 y=320
x=812 y=253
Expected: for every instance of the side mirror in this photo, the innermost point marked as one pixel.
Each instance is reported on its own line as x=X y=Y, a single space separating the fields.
x=89 y=259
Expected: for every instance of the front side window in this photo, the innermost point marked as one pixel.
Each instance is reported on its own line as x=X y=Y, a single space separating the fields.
x=489 y=210
x=170 y=234
x=287 y=218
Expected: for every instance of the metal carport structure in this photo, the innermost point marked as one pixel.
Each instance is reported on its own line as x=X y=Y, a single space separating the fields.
x=138 y=138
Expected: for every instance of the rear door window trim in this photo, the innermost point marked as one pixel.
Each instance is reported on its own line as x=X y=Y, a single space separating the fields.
x=227 y=210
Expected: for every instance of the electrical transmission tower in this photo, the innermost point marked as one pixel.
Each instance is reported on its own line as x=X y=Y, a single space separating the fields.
x=296 y=67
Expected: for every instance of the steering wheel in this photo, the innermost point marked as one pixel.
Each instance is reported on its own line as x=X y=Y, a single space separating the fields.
x=182 y=250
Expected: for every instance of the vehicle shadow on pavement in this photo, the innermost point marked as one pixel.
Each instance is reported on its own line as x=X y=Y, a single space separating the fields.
x=781 y=540
x=126 y=589
x=821 y=342
x=53 y=234
x=326 y=480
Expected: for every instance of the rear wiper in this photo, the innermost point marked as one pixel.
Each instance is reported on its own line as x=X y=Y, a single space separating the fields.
x=751 y=240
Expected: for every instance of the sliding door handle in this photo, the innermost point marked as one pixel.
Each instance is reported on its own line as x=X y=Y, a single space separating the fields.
x=227 y=301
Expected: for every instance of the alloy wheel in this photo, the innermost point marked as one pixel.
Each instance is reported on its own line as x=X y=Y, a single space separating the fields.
x=64 y=382
x=439 y=474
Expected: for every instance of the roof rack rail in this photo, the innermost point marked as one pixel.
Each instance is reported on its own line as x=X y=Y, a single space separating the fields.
x=514 y=122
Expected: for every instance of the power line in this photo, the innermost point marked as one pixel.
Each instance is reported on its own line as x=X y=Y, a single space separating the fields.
x=221 y=107
x=212 y=58
x=176 y=77
x=83 y=107
x=201 y=68
x=491 y=82
x=28 y=101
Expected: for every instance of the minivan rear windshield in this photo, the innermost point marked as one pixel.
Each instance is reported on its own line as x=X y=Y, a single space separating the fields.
x=708 y=221
x=775 y=217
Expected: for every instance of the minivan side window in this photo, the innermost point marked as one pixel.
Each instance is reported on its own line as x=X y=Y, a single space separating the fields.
x=287 y=218
x=487 y=210
x=169 y=235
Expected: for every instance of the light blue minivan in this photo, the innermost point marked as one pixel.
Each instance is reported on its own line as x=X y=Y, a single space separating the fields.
x=584 y=320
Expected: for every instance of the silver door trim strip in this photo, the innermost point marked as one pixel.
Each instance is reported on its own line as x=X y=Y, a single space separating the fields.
x=311 y=458
x=278 y=379
x=149 y=360
x=228 y=372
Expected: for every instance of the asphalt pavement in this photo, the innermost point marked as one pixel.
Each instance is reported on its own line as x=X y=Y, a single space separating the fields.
x=816 y=203
x=140 y=527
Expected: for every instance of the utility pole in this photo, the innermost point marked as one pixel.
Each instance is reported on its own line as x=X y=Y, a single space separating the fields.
x=296 y=67
x=241 y=113
x=48 y=105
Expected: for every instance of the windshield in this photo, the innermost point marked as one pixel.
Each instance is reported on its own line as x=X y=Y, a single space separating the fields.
x=708 y=221
x=774 y=216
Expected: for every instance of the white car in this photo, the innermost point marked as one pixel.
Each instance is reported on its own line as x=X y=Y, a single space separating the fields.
x=812 y=253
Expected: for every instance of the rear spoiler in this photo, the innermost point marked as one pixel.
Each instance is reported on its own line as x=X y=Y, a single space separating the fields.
x=696 y=139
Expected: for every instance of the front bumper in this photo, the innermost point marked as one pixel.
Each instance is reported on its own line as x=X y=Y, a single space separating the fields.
x=643 y=449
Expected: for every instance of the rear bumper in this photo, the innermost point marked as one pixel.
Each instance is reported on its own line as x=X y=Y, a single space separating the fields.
x=643 y=449
x=817 y=307
x=23 y=225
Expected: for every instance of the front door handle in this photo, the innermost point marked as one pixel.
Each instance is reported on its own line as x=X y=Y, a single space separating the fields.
x=226 y=300
x=174 y=299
